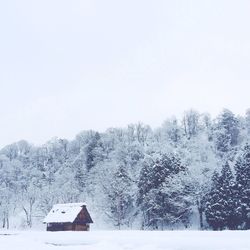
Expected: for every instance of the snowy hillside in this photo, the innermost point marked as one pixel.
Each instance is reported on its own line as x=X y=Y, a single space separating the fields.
x=189 y=173
x=129 y=240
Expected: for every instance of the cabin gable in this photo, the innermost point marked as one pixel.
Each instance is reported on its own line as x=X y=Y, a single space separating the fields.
x=83 y=217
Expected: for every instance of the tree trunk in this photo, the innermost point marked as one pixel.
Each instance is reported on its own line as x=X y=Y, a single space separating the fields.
x=200 y=210
x=201 y=218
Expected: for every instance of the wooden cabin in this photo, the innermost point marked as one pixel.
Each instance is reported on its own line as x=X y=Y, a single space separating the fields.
x=68 y=217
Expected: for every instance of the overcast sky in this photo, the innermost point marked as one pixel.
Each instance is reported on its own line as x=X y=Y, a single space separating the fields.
x=68 y=66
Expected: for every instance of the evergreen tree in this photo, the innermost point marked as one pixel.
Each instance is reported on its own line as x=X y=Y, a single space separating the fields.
x=222 y=207
x=93 y=150
x=230 y=196
x=160 y=205
x=242 y=168
x=214 y=207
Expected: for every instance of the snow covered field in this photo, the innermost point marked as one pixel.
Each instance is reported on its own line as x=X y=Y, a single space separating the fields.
x=125 y=240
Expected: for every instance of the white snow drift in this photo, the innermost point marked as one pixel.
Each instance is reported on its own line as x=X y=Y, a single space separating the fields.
x=125 y=240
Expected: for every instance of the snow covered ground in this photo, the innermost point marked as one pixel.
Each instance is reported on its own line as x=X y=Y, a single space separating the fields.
x=125 y=240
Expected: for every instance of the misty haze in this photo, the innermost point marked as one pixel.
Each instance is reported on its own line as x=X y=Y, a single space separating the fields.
x=126 y=119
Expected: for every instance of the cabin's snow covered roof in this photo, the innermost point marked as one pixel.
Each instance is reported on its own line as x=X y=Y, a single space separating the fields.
x=61 y=213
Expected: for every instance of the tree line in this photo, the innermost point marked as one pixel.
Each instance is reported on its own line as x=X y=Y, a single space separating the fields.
x=191 y=172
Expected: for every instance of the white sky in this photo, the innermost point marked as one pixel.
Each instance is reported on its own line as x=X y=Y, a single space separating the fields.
x=67 y=66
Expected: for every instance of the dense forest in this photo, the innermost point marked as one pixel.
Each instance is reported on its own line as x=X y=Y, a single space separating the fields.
x=190 y=172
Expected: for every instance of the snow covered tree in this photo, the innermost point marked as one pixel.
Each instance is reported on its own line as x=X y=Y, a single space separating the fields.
x=81 y=174
x=93 y=150
x=230 y=194
x=226 y=131
x=214 y=209
x=190 y=123
x=120 y=197
x=137 y=133
x=171 y=131
x=222 y=207
x=6 y=196
x=247 y=121
x=242 y=168
x=199 y=157
x=160 y=202
x=144 y=186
